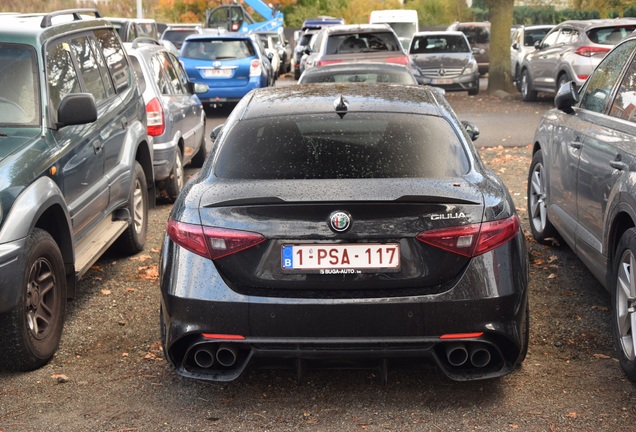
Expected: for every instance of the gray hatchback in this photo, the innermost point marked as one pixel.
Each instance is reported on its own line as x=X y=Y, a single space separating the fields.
x=581 y=184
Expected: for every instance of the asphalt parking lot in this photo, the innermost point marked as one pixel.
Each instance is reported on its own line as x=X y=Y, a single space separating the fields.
x=110 y=375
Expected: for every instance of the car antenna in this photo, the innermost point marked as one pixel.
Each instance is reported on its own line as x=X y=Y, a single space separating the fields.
x=341 y=106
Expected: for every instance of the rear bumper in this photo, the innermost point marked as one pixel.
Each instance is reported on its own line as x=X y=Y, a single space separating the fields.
x=489 y=299
x=230 y=93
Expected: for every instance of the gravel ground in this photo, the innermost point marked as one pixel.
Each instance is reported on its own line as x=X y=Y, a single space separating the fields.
x=109 y=373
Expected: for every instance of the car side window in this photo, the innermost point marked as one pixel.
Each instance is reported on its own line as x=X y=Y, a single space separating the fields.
x=115 y=58
x=550 y=39
x=162 y=81
x=183 y=77
x=174 y=78
x=101 y=64
x=61 y=75
x=88 y=68
x=597 y=91
x=566 y=36
x=624 y=106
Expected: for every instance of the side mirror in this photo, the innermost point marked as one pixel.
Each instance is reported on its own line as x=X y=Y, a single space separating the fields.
x=476 y=51
x=566 y=97
x=307 y=51
x=515 y=46
x=200 y=88
x=76 y=109
x=216 y=131
x=537 y=45
x=471 y=129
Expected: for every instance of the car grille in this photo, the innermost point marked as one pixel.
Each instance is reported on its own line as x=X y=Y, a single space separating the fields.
x=441 y=72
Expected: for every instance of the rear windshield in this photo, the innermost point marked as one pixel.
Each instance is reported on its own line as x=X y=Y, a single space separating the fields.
x=362 y=42
x=177 y=36
x=610 y=35
x=218 y=49
x=439 y=44
x=359 y=76
x=360 y=145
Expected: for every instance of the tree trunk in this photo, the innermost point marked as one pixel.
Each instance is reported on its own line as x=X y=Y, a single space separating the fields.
x=499 y=74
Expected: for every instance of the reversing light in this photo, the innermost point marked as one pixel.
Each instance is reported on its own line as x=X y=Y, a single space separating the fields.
x=155 y=119
x=474 y=239
x=211 y=242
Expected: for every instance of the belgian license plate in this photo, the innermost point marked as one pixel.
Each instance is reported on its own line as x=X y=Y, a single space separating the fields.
x=441 y=81
x=216 y=73
x=341 y=258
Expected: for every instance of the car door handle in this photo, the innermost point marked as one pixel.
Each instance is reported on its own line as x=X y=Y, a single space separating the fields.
x=619 y=165
x=124 y=122
x=97 y=147
x=576 y=144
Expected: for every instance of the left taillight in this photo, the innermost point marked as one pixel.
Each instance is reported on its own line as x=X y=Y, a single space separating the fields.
x=255 y=68
x=403 y=60
x=474 y=239
x=211 y=242
x=155 y=118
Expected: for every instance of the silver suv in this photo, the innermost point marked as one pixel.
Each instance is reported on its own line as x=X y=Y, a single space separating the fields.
x=570 y=52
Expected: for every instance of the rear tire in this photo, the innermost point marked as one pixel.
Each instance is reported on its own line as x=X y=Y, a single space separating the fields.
x=623 y=292
x=527 y=93
x=133 y=239
x=563 y=78
x=475 y=90
x=174 y=183
x=31 y=332
x=540 y=225
x=202 y=154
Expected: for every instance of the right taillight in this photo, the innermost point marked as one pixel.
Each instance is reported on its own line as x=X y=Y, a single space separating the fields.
x=154 y=114
x=211 y=242
x=589 y=51
x=474 y=239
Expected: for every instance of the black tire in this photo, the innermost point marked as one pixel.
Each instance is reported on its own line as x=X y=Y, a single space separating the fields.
x=475 y=90
x=133 y=239
x=563 y=78
x=623 y=293
x=31 y=332
x=175 y=181
x=296 y=73
x=517 y=79
x=525 y=335
x=202 y=154
x=525 y=87
x=541 y=227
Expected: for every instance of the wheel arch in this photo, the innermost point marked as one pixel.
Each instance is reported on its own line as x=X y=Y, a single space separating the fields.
x=144 y=157
x=621 y=222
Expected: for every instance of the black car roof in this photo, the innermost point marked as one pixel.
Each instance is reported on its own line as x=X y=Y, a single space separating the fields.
x=321 y=98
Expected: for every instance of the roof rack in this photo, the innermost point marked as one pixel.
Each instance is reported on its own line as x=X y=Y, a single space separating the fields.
x=47 y=21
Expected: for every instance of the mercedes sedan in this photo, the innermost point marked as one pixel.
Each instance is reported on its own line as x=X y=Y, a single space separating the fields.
x=344 y=225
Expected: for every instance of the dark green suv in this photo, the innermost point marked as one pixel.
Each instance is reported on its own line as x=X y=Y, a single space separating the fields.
x=75 y=169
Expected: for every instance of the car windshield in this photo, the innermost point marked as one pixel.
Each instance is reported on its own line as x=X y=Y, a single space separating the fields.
x=218 y=49
x=439 y=44
x=476 y=34
x=362 y=42
x=325 y=146
x=19 y=86
x=344 y=76
x=610 y=35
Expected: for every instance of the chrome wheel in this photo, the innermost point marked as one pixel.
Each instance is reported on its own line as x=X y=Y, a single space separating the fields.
x=625 y=304
x=138 y=206
x=538 y=208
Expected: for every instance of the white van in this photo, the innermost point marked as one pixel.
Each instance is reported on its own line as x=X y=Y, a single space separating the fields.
x=403 y=21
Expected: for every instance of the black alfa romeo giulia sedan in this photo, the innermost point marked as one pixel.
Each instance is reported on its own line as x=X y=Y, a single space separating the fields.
x=344 y=226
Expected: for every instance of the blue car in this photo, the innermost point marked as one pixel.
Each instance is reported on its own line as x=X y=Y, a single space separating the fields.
x=230 y=64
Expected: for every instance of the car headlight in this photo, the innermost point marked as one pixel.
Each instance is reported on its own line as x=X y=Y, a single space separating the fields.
x=471 y=67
